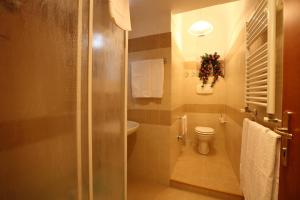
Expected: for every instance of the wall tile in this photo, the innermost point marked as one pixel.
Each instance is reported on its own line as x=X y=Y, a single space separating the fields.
x=162 y=40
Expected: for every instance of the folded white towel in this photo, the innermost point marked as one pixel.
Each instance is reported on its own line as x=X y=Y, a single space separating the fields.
x=275 y=189
x=119 y=11
x=243 y=151
x=147 y=78
x=259 y=161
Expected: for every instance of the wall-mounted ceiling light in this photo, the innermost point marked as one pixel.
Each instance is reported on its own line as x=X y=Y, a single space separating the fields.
x=201 y=28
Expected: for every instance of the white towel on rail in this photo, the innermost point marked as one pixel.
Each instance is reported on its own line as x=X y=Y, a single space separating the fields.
x=275 y=189
x=243 y=151
x=259 y=162
x=147 y=78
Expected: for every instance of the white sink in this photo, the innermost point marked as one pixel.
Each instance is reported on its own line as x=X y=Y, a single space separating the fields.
x=132 y=127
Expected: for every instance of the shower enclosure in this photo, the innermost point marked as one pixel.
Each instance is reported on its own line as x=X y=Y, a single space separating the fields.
x=62 y=107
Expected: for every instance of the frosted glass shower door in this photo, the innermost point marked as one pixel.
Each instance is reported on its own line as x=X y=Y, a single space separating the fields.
x=62 y=110
x=108 y=106
x=38 y=103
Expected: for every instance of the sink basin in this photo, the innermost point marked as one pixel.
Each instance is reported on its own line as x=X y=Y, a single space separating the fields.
x=132 y=127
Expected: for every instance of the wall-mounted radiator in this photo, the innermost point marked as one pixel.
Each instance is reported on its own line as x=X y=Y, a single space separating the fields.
x=261 y=58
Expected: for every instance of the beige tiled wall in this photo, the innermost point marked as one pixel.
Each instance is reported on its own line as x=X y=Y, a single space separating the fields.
x=150 y=42
x=174 y=145
x=177 y=75
x=235 y=69
x=148 y=153
x=153 y=150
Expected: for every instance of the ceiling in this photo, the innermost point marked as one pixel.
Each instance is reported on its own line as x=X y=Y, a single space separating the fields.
x=176 y=6
x=153 y=16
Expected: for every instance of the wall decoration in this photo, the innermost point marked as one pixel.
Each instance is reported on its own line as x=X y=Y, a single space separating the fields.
x=210 y=66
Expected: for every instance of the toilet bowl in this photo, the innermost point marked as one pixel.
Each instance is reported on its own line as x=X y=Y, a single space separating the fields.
x=205 y=135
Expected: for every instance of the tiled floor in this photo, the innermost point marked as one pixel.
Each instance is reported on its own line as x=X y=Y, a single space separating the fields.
x=213 y=171
x=145 y=190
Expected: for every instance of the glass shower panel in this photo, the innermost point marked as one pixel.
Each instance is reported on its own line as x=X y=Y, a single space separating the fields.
x=84 y=144
x=38 y=84
x=108 y=106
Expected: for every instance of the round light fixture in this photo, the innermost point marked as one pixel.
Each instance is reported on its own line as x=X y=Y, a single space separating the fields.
x=201 y=28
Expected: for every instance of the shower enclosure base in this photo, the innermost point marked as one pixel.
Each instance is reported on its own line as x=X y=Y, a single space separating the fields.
x=205 y=191
x=210 y=174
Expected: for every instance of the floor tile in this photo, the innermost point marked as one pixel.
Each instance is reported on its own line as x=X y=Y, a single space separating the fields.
x=212 y=171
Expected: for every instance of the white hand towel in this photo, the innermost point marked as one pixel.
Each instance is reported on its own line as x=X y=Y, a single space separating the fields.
x=119 y=11
x=147 y=78
x=259 y=157
x=243 y=151
x=275 y=189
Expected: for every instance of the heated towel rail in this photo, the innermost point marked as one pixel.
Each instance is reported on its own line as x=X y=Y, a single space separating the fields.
x=261 y=55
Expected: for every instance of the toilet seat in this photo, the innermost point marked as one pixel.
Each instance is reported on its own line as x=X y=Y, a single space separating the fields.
x=204 y=130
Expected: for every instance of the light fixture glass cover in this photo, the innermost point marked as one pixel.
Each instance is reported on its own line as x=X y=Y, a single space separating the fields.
x=201 y=28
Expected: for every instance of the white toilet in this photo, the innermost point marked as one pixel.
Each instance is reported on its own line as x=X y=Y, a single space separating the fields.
x=205 y=135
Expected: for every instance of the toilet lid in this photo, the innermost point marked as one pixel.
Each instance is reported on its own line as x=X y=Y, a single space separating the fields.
x=204 y=130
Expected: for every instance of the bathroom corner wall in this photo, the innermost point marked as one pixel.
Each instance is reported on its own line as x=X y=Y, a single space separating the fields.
x=177 y=104
x=148 y=149
x=235 y=83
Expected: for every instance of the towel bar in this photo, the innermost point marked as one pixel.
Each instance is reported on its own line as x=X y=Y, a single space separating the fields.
x=286 y=136
x=271 y=119
x=283 y=132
